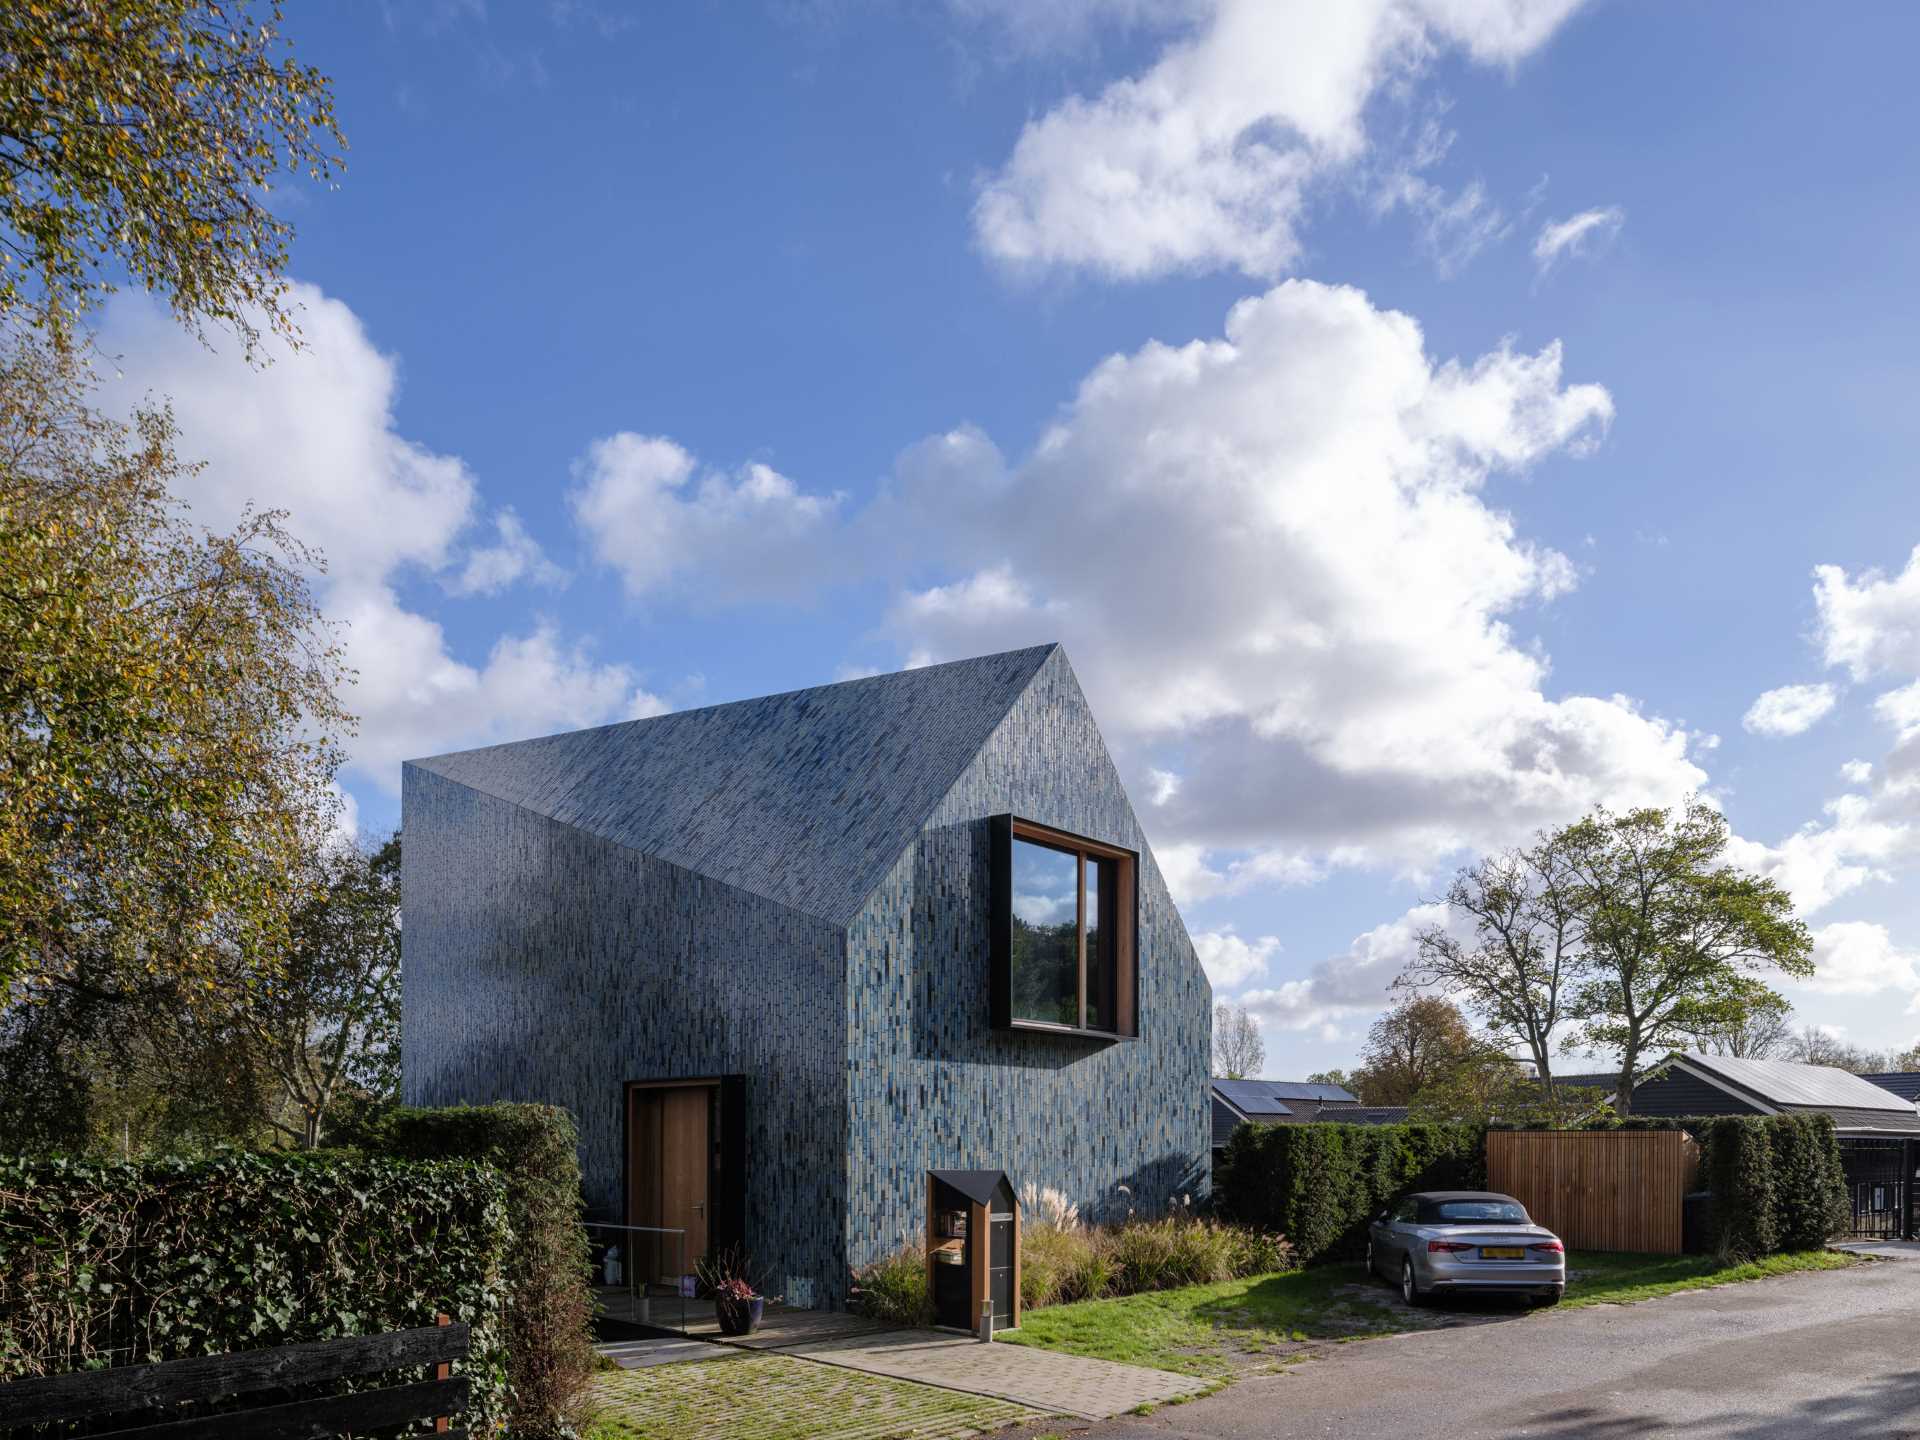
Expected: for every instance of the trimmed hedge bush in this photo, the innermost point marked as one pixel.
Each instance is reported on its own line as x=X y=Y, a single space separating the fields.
x=1777 y=1183
x=1320 y=1184
x=549 y=1309
x=159 y=1260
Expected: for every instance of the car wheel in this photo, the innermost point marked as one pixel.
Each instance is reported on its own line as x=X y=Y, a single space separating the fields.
x=1410 y=1290
x=1546 y=1298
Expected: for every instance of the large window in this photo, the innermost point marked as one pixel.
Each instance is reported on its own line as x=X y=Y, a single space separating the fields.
x=1064 y=931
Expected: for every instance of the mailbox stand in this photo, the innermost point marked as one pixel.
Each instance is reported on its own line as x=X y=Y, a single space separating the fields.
x=973 y=1250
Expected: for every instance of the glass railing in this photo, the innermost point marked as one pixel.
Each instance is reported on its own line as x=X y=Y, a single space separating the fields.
x=643 y=1279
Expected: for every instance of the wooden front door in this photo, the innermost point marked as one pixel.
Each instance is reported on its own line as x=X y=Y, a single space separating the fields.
x=671 y=1154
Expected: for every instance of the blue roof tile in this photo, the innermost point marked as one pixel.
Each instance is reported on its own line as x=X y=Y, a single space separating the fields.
x=807 y=798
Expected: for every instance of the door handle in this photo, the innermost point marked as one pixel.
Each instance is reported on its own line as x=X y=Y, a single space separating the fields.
x=700 y=1207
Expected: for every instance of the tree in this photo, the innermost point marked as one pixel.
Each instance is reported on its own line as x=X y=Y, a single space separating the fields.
x=148 y=133
x=1523 y=960
x=1814 y=1046
x=1764 y=1032
x=1673 y=939
x=326 y=1017
x=1334 y=1077
x=168 y=723
x=1908 y=1059
x=1421 y=1041
x=1238 y=1050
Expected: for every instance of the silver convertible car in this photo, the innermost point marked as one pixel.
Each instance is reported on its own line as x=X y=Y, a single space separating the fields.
x=1456 y=1240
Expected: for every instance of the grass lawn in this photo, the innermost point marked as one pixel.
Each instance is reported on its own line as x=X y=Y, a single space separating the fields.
x=1245 y=1326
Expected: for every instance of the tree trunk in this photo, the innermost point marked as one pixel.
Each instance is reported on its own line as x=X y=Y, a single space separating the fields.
x=1623 y=1096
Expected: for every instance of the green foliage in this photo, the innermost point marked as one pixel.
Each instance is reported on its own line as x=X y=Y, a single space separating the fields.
x=549 y=1306
x=1741 y=1176
x=325 y=1015
x=168 y=721
x=1674 y=941
x=159 y=1261
x=1320 y=1184
x=894 y=1290
x=148 y=132
x=1062 y=1261
x=1809 y=1185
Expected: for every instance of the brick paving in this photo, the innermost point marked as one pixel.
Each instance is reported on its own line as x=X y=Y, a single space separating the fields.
x=775 y=1397
x=1044 y=1379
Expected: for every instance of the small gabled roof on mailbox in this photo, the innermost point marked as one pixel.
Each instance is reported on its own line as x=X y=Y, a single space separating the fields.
x=977 y=1185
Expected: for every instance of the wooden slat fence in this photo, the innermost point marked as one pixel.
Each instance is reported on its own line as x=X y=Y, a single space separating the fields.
x=145 y=1394
x=1600 y=1189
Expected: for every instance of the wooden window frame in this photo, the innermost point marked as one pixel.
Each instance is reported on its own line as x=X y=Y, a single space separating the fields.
x=1005 y=829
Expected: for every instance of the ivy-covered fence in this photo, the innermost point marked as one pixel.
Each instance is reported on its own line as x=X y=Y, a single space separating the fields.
x=1320 y=1184
x=130 y=1263
x=549 y=1307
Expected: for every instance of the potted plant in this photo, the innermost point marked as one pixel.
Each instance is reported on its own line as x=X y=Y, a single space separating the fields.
x=737 y=1304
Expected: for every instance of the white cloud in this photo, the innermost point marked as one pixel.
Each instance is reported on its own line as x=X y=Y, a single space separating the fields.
x=1857 y=958
x=1789 y=710
x=515 y=555
x=1856 y=772
x=1231 y=961
x=652 y=516
x=1288 y=590
x=1577 y=235
x=1357 y=982
x=1870 y=624
x=314 y=434
x=1209 y=157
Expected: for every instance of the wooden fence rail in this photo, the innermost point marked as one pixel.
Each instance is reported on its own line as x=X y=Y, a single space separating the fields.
x=1600 y=1189
x=143 y=1394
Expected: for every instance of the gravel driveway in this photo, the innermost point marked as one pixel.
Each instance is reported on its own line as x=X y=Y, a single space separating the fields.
x=1835 y=1353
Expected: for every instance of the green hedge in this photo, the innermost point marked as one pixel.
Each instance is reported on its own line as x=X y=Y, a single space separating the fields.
x=128 y=1263
x=1777 y=1183
x=549 y=1311
x=1320 y=1184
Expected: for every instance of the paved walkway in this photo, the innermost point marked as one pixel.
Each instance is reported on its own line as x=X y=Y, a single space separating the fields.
x=1885 y=1249
x=1043 y=1379
x=639 y=1354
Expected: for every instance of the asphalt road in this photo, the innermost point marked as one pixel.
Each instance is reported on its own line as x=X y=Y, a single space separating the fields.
x=1803 y=1355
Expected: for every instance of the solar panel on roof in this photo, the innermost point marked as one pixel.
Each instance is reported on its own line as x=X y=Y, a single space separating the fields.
x=1788 y=1082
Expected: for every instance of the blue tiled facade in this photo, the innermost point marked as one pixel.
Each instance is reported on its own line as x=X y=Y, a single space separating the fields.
x=555 y=959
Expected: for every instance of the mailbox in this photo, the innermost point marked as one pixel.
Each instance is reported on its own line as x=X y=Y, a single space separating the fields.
x=973 y=1248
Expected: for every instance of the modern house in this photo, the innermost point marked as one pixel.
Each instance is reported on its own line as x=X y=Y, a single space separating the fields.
x=1879 y=1129
x=783 y=958
x=1274 y=1102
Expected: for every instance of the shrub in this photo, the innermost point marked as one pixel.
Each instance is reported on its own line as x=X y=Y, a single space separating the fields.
x=1740 y=1171
x=1810 y=1185
x=164 y=1259
x=549 y=1311
x=1320 y=1184
x=894 y=1290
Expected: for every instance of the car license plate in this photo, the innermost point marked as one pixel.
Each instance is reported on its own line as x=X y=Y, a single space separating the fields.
x=1502 y=1252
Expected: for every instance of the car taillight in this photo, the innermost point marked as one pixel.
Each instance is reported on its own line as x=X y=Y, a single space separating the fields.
x=1552 y=1247
x=1445 y=1247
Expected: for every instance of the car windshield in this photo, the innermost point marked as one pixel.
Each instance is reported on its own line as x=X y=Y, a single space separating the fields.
x=1478 y=1212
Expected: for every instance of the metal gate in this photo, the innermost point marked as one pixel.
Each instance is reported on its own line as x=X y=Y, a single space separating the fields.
x=1880 y=1181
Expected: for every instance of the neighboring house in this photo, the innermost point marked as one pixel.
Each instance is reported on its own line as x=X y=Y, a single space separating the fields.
x=1271 y=1102
x=1904 y=1083
x=1879 y=1129
x=1692 y=1084
x=782 y=958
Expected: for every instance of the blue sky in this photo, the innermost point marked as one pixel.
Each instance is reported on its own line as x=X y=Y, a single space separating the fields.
x=1420 y=419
